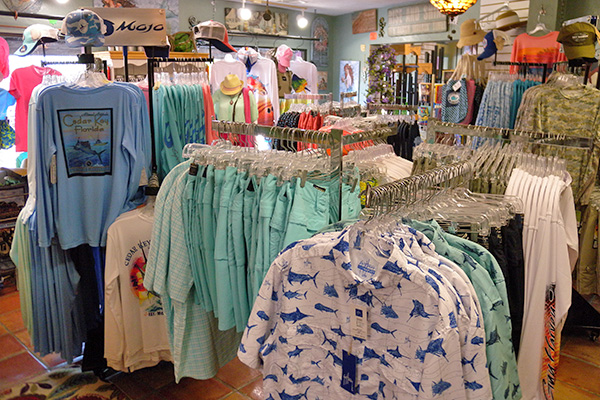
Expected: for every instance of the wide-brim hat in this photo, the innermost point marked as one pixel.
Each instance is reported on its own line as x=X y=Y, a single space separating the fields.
x=507 y=20
x=216 y=33
x=231 y=85
x=34 y=35
x=470 y=33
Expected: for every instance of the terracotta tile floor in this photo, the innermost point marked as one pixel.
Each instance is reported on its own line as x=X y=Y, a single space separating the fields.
x=578 y=373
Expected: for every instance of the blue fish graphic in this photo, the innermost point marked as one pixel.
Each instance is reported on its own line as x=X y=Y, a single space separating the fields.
x=331 y=342
x=274 y=296
x=364 y=377
x=336 y=359
x=283 y=369
x=269 y=349
x=416 y=385
x=284 y=396
x=367 y=298
x=434 y=285
x=383 y=361
x=358 y=339
x=295 y=353
x=346 y=265
x=435 y=347
x=370 y=354
x=399 y=286
x=477 y=340
x=503 y=368
x=260 y=340
x=496 y=305
x=318 y=379
x=357 y=241
x=321 y=307
x=394 y=268
x=294 y=316
x=330 y=291
x=248 y=327
x=329 y=257
x=395 y=352
x=312 y=362
x=270 y=397
x=388 y=312
x=298 y=381
x=466 y=361
x=515 y=390
x=377 y=284
x=452 y=318
x=420 y=354
x=381 y=252
x=418 y=310
x=342 y=246
x=289 y=246
x=262 y=315
x=490 y=369
x=373 y=396
x=352 y=290
x=338 y=331
x=307 y=247
x=473 y=385
x=294 y=295
x=494 y=337
x=440 y=387
x=304 y=329
x=435 y=274
x=242 y=348
x=301 y=278
x=381 y=329
x=283 y=340
x=381 y=386
x=272 y=377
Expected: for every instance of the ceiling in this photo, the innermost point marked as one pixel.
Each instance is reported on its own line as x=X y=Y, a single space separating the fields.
x=336 y=7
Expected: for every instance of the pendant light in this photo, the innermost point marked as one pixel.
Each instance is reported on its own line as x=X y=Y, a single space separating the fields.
x=243 y=13
x=453 y=8
x=302 y=21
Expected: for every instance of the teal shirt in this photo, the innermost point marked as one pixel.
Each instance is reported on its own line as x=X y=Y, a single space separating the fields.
x=502 y=362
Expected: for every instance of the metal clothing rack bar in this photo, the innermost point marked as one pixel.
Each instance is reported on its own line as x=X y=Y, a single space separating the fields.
x=404 y=191
x=526 y=64
x=334 y=140
x=153 y=63
x=435 y=126
x=84 y=62
x=391 y=107
x=308 y=96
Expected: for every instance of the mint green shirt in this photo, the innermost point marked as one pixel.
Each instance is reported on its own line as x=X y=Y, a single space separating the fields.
x=224 y=107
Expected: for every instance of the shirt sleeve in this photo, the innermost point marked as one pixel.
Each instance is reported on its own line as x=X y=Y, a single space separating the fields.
x=253 y=107
x=14 y=85
x=114 y=335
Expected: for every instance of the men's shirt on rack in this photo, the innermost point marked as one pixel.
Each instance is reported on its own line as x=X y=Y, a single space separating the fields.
x=22 y=82
x=536 y=49
x=307 y=76
x=300 y=336
x=135 y=326
x=501 y=359
x=198 y=348
x=262 y=80
x=91 y=159
x=6 y=100
x=221 y=68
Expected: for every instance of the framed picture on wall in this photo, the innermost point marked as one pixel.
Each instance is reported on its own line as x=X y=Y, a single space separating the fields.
x=322 y=80
x=349 y=76
x=364 y=21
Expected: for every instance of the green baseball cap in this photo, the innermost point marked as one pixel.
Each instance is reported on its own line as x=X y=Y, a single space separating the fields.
x=579 y=40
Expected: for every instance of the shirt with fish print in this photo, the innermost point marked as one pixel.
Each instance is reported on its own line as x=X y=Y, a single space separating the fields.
x=501 y=359
x=300 y=327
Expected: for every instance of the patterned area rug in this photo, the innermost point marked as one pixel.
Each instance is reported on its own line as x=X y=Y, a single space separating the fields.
x=62 y=384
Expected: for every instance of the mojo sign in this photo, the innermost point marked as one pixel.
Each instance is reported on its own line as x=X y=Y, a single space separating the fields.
x=134 y=26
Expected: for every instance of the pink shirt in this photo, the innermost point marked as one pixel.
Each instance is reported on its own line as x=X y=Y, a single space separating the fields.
x=22 y=83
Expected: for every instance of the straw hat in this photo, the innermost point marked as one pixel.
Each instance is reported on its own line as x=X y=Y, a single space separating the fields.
x=231 y=85
x=507 y=20
x=470 y=33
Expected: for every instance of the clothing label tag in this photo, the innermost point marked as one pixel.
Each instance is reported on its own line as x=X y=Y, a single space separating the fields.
x=358 y=322
x=456 y=86
x=349 y=362
x=53 y=170
x=143 y=178
x=193 y=169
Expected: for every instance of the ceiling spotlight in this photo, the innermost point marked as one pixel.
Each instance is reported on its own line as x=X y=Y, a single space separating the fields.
x=302 y=21
x=62 y=1
x=244 y=13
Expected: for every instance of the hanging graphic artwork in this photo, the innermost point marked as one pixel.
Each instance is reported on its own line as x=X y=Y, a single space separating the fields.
x=277 y=25
x=263 y=101
x=320 y=48
x=322 y=80
x=171 y=8
x=349 y=76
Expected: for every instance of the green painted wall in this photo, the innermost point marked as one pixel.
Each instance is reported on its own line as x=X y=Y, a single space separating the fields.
x=579 y=8
x=347 y=46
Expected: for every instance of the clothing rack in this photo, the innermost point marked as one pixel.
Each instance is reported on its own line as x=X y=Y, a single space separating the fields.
x=308 y=96
x=526 y=65
x=334 y=140
x=152 y=64
x=391 y=107
x=82 y=61
x=405 y=191
x=435 y=126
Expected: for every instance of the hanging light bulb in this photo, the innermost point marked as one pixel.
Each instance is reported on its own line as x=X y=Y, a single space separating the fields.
x=244 y=13
x=62 y=1
x=302 y=21
x=453 y=8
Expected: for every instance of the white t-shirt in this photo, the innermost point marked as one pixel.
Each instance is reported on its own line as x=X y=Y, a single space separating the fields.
x=135 y=326
x=222 y=68
x=308 y=71
x=265 y=71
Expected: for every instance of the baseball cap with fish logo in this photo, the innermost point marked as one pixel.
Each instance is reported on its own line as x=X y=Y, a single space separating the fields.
x=83 y=28
x=35 y=35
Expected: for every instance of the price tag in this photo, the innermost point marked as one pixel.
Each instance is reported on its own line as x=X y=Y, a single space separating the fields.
x=457 y=86
x=358 y=322
x=53 y=170
x=349 y=362
x=143 y=178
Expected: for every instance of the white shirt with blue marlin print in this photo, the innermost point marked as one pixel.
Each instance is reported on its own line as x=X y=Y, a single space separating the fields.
x=300 y=327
